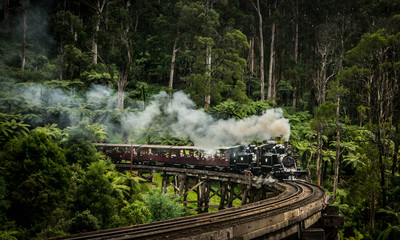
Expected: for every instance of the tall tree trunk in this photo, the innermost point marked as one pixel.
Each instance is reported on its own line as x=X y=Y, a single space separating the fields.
x=251 y=56
x=311 y=152
x=23 y=48
x=296 y=34
x=61 y=59
x=396 y=150
x=99 y=9
x=270 y=94
x=94 y=46
x=319 y=157
x=382 y=168
x=271 y=63
x=123 y=77
x=207 y=99
x=260 y=29
x=296 y=52
x=335 y=184
x=372 y=212
x=122 y=83
x=172 y=70
x=6 y=13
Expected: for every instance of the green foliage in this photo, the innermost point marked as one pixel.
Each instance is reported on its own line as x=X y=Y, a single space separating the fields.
x=163 y=206
x=4 y=203
x=12 y=127
x=78 y=143
x=226 y=70
x=8 y=235
x=239 y=92
x=37 y=178
x=238 y=110
x=51 y=130
x=324 y=114
x=84 y=222
x=392 y=231
x=137 y=39
x=126 y=186
x=95 y=194
x=135 y=213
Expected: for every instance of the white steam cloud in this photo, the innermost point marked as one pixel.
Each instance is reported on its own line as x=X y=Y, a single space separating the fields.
x=178 y=116
x=184 y=120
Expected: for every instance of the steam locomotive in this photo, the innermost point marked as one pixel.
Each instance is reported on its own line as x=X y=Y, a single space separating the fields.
x=267 y=159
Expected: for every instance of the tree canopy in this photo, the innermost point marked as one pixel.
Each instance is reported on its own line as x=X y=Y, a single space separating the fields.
x=77 y=72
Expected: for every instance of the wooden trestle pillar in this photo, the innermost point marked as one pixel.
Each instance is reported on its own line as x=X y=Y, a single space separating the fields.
x=206 y=189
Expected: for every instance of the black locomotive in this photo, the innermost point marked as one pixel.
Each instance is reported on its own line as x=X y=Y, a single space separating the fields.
x=267 y=159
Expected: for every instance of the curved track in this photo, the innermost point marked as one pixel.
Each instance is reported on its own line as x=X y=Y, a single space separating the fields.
x=290 y=209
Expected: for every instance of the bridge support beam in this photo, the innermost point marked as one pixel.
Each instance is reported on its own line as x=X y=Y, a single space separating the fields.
x=327 y=227
x=312 y=219
x=230 y=193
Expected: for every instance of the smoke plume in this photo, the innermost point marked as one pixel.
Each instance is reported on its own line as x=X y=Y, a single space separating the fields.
x=184 y=120
x=177 y=116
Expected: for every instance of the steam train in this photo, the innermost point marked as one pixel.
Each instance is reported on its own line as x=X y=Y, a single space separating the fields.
x=267 y=159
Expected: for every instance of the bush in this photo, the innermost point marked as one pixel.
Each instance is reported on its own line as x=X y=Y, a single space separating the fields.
x=84 y=222
x=135 y=213
x=163 y=206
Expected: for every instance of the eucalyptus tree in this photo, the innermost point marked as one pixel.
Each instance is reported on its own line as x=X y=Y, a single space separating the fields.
x=374 y=67
x=336 y=93
x=261 y=39
x=321 y=124
x=227 y=70
x=71 y=26
x=99 y=7
x=25 y=4
x=120 y=43
x=205 y=20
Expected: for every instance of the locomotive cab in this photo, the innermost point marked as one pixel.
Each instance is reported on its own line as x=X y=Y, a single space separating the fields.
x=242 y=158
x=268 y=156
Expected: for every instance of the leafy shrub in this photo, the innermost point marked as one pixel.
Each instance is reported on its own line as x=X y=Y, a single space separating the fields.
x=135 y=213
x=84 y=222
x=163 y=206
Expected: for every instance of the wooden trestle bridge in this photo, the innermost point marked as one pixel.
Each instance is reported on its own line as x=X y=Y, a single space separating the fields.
x=269 y=210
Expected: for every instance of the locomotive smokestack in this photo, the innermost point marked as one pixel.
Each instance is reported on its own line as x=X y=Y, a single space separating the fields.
x=286 y=144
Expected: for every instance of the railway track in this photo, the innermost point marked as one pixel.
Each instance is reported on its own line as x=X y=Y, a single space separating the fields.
x=300 y=201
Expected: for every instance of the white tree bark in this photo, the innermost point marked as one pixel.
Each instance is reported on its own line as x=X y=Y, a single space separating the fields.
x=207 y=99
x=172 y=69
x=271 y=63
x=260 y=30
x=23 y=47
x=271 y=82
x=296 y=52
x=99 y=9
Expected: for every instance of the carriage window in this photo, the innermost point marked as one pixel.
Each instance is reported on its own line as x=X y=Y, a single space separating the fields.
x=222 y=154
x=175 y=153
x=218 y=153
x=143 y=152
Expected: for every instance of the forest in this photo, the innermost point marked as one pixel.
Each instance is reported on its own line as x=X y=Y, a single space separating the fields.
x=77 y=72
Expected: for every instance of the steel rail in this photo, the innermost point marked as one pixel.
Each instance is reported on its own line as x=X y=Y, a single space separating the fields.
x=296 y=193
x=190 y=221
x=234 y=215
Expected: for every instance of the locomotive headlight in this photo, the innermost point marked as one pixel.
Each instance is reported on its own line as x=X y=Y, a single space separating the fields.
x=289 y=151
